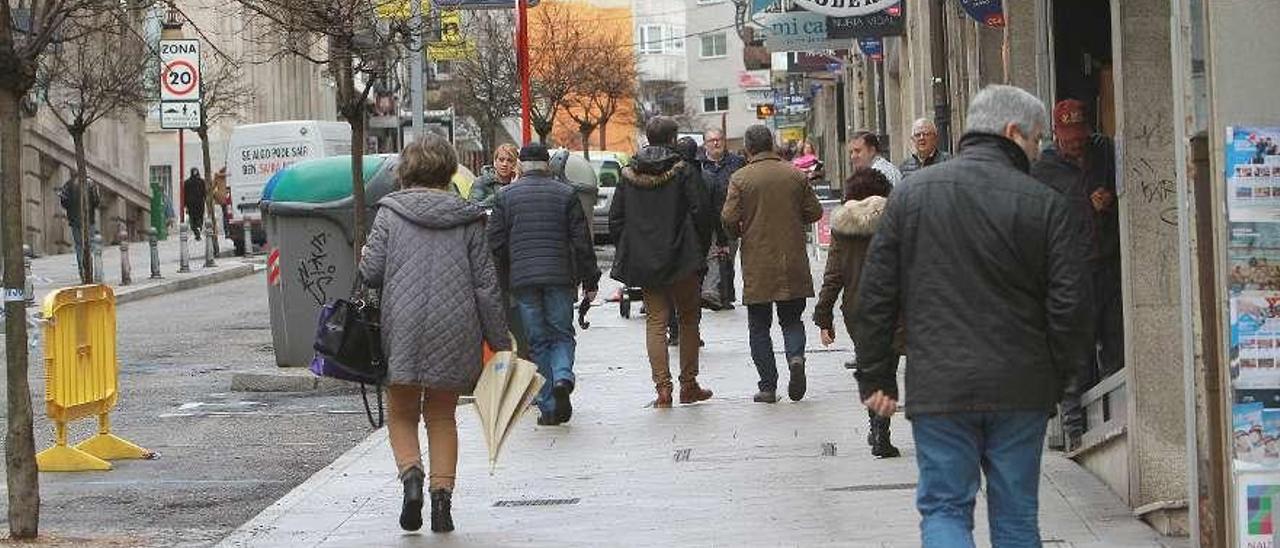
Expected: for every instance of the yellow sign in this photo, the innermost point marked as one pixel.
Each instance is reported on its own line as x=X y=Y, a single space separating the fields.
x=453 y=45
x=394 y=9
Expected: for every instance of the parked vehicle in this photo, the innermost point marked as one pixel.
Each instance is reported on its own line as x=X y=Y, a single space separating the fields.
x=256 y=152
x=608 y=166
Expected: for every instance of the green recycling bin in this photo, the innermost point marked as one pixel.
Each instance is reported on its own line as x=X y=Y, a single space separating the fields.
x=308 y=214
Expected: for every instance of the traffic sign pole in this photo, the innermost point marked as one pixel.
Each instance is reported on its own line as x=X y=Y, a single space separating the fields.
x=182 y=168
x=522 y=67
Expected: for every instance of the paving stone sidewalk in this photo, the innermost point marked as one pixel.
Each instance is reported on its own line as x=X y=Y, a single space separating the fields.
x=727 y=472
x=51 y=272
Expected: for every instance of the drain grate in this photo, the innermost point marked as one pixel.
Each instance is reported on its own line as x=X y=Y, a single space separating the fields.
x=829 y=449
x=534 y=502
x=682 y=455
x=876 y=487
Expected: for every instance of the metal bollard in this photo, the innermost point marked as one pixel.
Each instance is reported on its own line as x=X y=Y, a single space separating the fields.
x=96 y=245
x=184 y=254
x=126 y=269
x=248 y=238
x=155 y=252
x=208 y=245
x=29 y=290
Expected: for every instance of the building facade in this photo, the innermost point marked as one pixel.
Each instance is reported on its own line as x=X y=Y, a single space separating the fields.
x=663 y=63
x=718 y=85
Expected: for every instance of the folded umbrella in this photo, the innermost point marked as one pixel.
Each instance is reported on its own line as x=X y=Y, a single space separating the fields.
x=506 y=387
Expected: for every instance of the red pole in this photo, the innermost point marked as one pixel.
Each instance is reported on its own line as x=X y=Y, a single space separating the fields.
x=182 y=170
x=522 y=66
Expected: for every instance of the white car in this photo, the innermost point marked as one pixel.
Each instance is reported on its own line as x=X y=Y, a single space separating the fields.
x=608 y=166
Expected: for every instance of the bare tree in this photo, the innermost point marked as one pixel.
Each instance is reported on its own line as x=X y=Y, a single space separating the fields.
x=99 y=73
x=357 y=48
x=556 y=65
x=606 y=80
x=27 y=30
x=486 y=81
x=224 y=95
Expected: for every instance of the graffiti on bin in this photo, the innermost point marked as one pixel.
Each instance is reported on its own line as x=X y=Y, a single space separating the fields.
x=316 y=272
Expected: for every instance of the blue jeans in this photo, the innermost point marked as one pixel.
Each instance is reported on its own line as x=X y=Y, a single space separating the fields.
x=547 y=314
x=760 y=324
x=954 y=450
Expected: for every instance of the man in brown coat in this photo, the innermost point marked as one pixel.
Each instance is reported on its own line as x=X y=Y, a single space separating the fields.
x=768 y=206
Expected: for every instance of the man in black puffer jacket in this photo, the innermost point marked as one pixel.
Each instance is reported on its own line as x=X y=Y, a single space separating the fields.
x=987 y=267
x=540 y=237
x=661 y=221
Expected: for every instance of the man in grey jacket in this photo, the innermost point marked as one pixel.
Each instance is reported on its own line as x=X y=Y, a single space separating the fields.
x=540 y=237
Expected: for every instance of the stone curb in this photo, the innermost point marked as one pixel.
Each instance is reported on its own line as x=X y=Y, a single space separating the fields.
x=127 y=295
x=290 y=380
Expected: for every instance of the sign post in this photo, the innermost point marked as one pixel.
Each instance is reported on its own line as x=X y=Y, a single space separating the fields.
x=180 y=87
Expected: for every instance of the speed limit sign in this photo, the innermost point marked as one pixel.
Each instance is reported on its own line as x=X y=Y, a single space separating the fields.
x=179 y=70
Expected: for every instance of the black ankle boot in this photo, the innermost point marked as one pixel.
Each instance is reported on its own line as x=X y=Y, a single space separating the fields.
x=411 y=511
x=879 y=439
x=441 y=511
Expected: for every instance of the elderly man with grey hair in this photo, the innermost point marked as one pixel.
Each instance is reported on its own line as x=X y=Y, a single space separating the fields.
x=925 y=151
x=985 y=267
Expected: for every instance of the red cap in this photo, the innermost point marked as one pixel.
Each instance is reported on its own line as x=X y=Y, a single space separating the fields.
x=1069 y=119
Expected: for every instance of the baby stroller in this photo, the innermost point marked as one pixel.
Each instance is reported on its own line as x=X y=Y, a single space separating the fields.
x=626 y=296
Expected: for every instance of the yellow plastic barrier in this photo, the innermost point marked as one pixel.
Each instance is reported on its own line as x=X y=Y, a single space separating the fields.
x=81 y=378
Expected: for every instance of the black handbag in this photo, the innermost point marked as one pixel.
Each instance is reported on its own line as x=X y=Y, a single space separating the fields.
x=349 y=339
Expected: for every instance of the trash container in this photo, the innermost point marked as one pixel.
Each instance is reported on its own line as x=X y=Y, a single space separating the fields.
x=307 y=211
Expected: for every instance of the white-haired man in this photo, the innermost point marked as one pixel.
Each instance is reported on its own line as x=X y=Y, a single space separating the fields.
x=924 y=142
x=985 y=266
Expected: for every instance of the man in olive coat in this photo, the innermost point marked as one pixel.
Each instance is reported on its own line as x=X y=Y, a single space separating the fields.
x=768 y=206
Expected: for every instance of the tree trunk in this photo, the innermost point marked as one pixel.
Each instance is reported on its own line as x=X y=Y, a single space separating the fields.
x=357 y=182
x=604 y=142
x=82 y=205
x=351 y=107
x=20 y=449
x=586 y=144
x=203 y=132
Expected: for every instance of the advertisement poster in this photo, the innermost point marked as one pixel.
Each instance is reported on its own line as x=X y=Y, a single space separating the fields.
x=1253 y=174
x=824 y=224
x=1257 y=502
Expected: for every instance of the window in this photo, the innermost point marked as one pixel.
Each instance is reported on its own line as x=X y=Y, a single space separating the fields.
x=714 y=45
x=676 y=38
x=651 y=39
x=659 y=39
x=715 y=100
x=161 y=175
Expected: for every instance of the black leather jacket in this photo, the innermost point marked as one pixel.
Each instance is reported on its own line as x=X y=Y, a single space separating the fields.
x=987 y=266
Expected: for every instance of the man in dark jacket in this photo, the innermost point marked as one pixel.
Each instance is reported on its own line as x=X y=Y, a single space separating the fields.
x=1081 y=166
x=987 y=269
x=661 y=223
x=718 y=165
x=194 y=191
x=540 y=237
x=69 y=197
x=924 y=139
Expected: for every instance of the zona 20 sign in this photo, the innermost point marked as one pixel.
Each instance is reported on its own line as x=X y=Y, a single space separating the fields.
x=179 y=70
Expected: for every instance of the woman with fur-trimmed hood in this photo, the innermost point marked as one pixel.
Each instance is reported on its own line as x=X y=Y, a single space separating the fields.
x=852 y=227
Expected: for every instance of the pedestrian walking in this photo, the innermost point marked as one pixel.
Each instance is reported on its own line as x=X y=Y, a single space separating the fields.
x=69 y=198
x=540 y=236
x=194 y=191
x=852 y=226
x=986 y=267
x=719 y=289
x=769 y=205
x=506 y=168
x=1081 y=166
x=440 y=301
x=661 y=221
x=924 y=142
x=865 y=151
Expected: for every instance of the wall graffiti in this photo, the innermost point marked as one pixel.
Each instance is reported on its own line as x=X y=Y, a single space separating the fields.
x=1156 y=189
x=316 y=272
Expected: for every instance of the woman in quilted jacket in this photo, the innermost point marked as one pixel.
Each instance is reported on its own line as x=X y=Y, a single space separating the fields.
x=440 y=302
x=852 y=226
